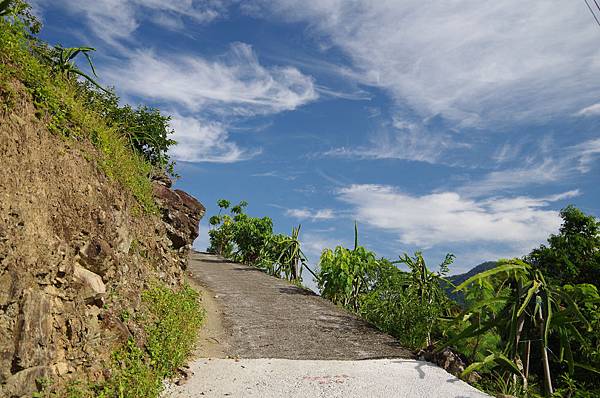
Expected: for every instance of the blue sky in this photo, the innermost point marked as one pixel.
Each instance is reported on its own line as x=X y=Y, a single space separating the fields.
x=458 y=127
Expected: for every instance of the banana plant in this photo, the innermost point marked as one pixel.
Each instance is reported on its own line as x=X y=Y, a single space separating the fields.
x=531 y=310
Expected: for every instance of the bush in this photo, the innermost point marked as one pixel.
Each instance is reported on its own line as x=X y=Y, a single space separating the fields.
x=250 y=240
x=406 y=305
x=145 y=129
x=400 y=305
x=345 y=276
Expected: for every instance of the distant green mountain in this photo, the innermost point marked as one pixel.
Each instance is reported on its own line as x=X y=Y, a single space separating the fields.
x=460 y=278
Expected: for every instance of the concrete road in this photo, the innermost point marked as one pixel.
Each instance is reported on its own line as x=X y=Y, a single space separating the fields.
x=311 y=379
x=321 y=350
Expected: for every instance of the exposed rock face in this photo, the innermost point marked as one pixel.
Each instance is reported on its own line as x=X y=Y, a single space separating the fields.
x=181 y=214
x=447 y=360
x=75 y=252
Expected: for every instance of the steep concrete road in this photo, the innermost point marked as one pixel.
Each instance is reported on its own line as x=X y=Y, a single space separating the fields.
x=267 y=338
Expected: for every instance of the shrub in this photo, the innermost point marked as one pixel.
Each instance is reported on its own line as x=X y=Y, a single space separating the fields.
x=146 y=129
x=250 y=240
x=408 y=305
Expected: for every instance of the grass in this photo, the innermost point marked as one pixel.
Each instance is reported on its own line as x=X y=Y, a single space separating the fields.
x=171 y=320
x=59 y=102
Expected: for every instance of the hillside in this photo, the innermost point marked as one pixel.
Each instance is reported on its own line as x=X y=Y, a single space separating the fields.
x=92 y=247
x=460 y=278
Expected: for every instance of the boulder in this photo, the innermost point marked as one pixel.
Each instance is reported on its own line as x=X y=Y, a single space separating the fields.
x=26 y=382
x=447 y=359
x=180 y=212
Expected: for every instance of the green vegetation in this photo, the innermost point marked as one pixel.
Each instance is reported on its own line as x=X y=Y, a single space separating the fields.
x=250 y=240
x=526 y=312
x=528 y=327
x=133 y=143
x=170 y=320
x=572 y=256
x=405 y=304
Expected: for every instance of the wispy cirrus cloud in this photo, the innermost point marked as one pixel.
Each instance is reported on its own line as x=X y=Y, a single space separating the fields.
x=276 y=174
x=235 y=83
x=211 y=93
x=549 y=166
x=477 y=66
x=402 y=140
x=473 y=62
x=116 y=20
x=592 y=110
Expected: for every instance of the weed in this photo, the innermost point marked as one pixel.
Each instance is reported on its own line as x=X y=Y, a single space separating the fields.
x=171 y=320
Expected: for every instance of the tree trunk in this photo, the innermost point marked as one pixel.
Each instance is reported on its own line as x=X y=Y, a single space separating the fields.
x=545 y=362
x=526 y=364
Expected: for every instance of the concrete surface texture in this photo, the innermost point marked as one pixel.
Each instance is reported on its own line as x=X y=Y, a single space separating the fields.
x=266 y=317
x=310 y=379
x=264 y=337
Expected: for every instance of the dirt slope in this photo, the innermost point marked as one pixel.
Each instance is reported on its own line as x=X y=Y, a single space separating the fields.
x=75 y=253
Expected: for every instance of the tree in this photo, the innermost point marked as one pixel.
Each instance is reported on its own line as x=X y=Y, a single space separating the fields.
x=572 y=256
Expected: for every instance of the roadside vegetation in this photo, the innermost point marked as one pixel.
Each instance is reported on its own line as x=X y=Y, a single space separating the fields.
x=250 y=240
x=170 y=320
x=527 y=327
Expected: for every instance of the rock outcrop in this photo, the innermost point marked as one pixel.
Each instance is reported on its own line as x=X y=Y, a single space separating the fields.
x=448 y=360
x=180 y=212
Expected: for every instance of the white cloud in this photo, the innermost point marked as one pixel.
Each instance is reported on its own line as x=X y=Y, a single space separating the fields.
x=471 y=61
x=587 y=152
x=114 y=20
x=233 y=84
x=549 y=166
x=204 y=141
x=592 y=110
x=448 y=217
x=314 y=243
x=402 y=140
x=276 y=174
x=320 y=214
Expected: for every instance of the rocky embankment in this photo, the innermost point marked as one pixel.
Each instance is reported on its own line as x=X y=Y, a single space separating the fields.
x=76 y=251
